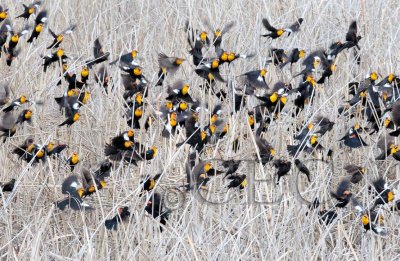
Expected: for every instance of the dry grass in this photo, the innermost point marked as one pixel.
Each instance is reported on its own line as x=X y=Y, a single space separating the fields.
x=32 y=228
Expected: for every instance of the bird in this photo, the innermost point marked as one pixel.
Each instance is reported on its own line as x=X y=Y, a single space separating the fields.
x=59 y=38
x=356 y=173
x=342 y=194
x=274 y=32
x=72 y=187
x=168 y=65
x=73 y=160
x=29 y=10
x=303 y=168
x=155 y=207
x=40 y=19
x=8 y=186
x=295 y=27
x=237 y=181
x=122 y=215
x=99 y=54
x=283 y=168
x=71 y=120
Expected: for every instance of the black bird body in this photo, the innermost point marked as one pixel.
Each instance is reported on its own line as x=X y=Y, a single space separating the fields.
x=342 y=194
x=283 y=168
x=123 y=214
x=303 y=169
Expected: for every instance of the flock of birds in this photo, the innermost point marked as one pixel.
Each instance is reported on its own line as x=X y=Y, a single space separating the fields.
x=373 y=102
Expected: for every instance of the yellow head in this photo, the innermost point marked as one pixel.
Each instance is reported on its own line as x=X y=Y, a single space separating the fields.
x=365 y=219
x=86 y=97
x=75 y=158
x=134 y=54
x=226 y=128
x=169 y=105
x=231 y=56
x=203 y=135
x=183 y=106
x=22 y=99
x=387 y=121
x=218 y=33
x=50 y=146
x=28 y=114
x=76 y=116
x=65 y=67
x=284 y=99
x=390 y=196
x=203 y=36
x=313 y=139
x=39 y=28
x=272 y=151
x=131 y=133
x=30 y=148
x=60 y=38
x=185 y=89
x=138 y=112
x=80 y=191
x=154 y=149
x=210 y=77
x=274 y=97
x=333 y=67
x=213 y=128
x=85 y=72
x=40 y=154
x=3 y=15
x=374 y=76
x=280 y=32
x=31 y=10
x=250 y=119
x=137 y=71
x=391 y=77
x=139 y=98
x=128 y=144
x=15 y=38
x=207 y=166
x=214 y=64
x=224 y=56
x=263 y=72
x=178 y=61
x=103 y=183
x=302 y=53
x=60 y=52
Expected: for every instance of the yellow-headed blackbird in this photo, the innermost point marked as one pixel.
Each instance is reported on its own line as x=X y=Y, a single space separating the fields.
x=256 y=79
x=382 y=192
x=170 y=125
x=15 y=36
x=327 y=72
x=198 y=38
x=73 y=188
x=91 y=183
x=303 y=168
x=356 y=173
x=277 y=99
x=209 y=70
x=352 y=38
x=370 y=219
x=308 y=145
x=342 y=194
x=283 y=168
x=25 y=150
x=197 y=177
x=84 y=74
x=295 y=27
x=307 y=92
x=58 y=38
x=123 y=214
x=54 y=149
x=127 y=58
x=3 y=13
x=7 y=126
x=195 y=137
x=38 y=154
x=312 y=61
x=305 y=133
x=71 y=120
x=4 y=95
x=150 y=182
x=40 y=19
x=353 y=140
x=293 y=57
x=25 y=116
x=58 y=55
x=99 y=54
x=132 y=86
x=7 y=187
x=69 y=101
x=73 y=160
x=179 y=90
x=324 y=124
x=135 y=72
x=274 y=32
x=267 y=152
x=167 y=65
x=29 y=10
x=237 y=181
x=155 y=207
x=134 y=114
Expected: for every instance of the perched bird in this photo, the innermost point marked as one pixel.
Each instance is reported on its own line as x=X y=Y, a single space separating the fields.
x=309 y=144
x=73 y=160
x=40 y=19
x=325 y=125
x=3 y=35
x=7 y=187
x=25 y=116
x=29 y=10
x=59 y=38
x=99 y=54
x=329 y=70
x=283 y=168
x=267 y=152
x=179 y=91
x=237 y=181
x=72 y=187
x=274 y=32
x=303 y=168
x=150 y=182
x=122 y=215
x=356 y=173
x=209 y=70
x=382 y=192
x=352 y=139
x=155 y=207
x=342 y=194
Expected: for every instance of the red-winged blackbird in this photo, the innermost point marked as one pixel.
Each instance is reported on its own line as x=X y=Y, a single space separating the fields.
x=342 y=194
x=303 y=168
x=155 y=207
x=283 y=168
x=123 y=214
